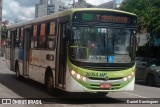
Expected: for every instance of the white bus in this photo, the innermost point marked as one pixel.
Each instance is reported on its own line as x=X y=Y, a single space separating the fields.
x=78 y=50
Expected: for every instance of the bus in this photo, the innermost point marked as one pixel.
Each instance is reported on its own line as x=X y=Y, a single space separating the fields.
x=77 y=50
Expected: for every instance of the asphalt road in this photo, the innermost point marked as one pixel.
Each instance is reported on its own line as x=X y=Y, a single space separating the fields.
x=10 y=87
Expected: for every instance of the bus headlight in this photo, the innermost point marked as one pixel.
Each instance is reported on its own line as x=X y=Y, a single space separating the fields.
x=84 y=79
x=133 y=73
x=73 y=72
x=78 y=76
x=124 y=79
x=129 y=76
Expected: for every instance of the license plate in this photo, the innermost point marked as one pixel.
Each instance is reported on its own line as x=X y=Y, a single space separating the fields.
x=105 y=85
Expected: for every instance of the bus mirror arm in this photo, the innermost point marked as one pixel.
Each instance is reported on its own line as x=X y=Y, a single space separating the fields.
x=136 y=39
x=137 y=42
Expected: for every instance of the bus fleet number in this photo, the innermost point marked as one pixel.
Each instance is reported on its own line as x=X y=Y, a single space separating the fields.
x=92 y=74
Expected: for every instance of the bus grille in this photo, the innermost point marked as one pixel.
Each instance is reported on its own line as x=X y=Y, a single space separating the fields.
x=92 y=78
x=106 y=68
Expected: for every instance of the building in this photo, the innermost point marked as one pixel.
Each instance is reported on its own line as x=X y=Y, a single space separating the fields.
x=59 y=6
x=83 y=4
x=50 y=9
x=108 y=5
x=46 y=7
x=41 y=8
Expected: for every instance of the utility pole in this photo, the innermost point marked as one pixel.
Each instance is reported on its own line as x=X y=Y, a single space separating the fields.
x=74 y=4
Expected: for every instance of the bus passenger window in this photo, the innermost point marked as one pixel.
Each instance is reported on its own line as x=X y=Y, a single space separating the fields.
x=51 y=43
x=52 y=28
x=13 y=34
x=21 y=38
x=51 y=33
x=17 y=38
x=8 y=41
x=32 y=44
x=42 y=40
x=34 y=37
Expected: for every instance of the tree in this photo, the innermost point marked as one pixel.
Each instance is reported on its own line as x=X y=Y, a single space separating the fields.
x=3 y=29
x=147 y=12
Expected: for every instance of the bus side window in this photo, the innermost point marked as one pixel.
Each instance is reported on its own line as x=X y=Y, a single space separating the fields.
x=42 y=38
x=34 y=37
x=14 y=35
x=51 y=38
x=8 y=43
x=21 y=38
x=17 y=38
x=47 y=35
x=51 y=43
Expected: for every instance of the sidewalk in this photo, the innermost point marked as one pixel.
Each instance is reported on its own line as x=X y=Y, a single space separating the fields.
x=4 y=71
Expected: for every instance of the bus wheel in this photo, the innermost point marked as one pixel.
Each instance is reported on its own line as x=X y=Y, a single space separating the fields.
x=49 y=83
x=18 y=76
x=101 y=94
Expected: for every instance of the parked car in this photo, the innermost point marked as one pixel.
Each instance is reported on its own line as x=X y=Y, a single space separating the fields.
x=148 y=71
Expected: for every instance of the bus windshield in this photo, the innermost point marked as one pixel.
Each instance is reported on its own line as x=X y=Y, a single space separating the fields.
x=101 y=45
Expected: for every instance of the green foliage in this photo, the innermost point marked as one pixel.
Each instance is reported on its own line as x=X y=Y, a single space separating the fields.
x=147 y=12
x=3 y=29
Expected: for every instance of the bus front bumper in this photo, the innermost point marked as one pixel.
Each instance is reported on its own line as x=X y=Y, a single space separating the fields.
x=73 y=85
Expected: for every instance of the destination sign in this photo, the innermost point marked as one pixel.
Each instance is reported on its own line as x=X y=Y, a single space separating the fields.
x=114 y=19
x=106 y=17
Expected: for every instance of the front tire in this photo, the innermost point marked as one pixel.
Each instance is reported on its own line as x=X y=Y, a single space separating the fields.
x=18 y=76
x=49 y=83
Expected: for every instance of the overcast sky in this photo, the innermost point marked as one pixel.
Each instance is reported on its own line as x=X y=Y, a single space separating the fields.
x=24 y=10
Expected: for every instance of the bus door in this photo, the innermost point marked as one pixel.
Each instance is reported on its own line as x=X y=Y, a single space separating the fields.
x=27 y=35
x=61 y=56
x=12 y=49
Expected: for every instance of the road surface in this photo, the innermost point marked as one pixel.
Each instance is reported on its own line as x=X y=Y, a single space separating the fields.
x=10 y=87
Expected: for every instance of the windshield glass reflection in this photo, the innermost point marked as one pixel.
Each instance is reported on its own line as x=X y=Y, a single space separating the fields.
x=101 y=45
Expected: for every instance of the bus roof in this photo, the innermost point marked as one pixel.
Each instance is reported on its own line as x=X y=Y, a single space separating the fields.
x=64 y=13
x=102 y=9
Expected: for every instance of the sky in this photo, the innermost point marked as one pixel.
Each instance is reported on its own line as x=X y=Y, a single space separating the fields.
x=23 y=10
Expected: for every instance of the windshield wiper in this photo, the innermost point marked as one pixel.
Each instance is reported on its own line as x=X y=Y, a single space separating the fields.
x=121 y=53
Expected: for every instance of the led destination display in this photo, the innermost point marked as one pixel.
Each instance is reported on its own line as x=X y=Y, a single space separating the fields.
x=105 y=17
